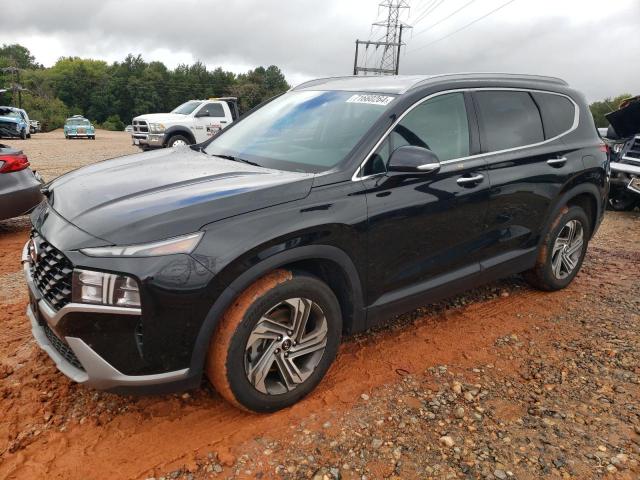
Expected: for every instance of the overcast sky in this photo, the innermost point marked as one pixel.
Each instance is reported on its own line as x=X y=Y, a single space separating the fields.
x=593 y=44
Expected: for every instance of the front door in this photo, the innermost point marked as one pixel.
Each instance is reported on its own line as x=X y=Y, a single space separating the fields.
x=426 y=232
x=209 y=120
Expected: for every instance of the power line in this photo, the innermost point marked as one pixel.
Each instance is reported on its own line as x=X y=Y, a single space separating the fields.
x=464 y=26
x=436 y=4
x=445 y=18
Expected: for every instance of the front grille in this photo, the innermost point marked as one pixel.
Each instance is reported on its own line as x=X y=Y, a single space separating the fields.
x=633 y=153
x=140 y=126
x=52 y=273
x=62 y=348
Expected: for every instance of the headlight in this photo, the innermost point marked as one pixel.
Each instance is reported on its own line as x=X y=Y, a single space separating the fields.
x=156 y=128
x=105 y=289
x=184 y=244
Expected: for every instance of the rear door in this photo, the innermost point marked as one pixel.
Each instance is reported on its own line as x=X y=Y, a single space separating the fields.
x=426 y=232
x=528 y=164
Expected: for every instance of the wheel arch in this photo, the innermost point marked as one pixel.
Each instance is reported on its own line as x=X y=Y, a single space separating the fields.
x=178 y=130
x=329 y=263
x=585 y=195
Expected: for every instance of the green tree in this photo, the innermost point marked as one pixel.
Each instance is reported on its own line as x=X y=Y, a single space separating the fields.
x=15 y=55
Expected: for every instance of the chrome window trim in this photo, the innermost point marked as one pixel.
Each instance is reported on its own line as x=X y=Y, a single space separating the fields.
x=576 y=121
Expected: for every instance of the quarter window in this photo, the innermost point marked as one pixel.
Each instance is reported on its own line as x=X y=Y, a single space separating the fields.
x=509 y=119
x=439 y=124
x=558 y=113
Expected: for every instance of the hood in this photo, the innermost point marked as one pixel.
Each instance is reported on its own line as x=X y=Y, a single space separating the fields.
x=626 y=120
x=162 y=117
x=161 y=194
x=9 y=119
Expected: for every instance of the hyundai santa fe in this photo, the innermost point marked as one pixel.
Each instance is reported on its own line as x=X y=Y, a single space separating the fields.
x=324 y=212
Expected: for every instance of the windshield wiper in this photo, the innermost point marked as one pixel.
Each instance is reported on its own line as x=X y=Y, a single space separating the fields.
x=236 y=159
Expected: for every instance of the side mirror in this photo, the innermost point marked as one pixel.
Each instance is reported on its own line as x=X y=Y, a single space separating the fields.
x=410 y=160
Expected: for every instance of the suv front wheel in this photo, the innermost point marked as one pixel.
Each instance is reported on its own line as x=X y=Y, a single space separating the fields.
x=276 y=342
x=562 y=252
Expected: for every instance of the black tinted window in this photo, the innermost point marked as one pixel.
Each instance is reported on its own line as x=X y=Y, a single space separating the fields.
x=439 y=124
x=509 y=119
x=212 y=110
x=558 y=113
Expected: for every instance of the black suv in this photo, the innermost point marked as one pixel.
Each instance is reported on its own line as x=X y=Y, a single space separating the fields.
x=325 y=211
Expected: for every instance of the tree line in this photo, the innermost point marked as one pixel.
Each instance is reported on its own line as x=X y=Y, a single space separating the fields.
x=112 y=94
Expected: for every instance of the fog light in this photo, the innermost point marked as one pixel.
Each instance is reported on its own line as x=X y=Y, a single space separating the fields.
x=105 y=289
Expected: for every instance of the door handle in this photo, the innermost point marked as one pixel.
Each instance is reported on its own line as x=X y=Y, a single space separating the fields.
x=557 y=162
x=470 y=181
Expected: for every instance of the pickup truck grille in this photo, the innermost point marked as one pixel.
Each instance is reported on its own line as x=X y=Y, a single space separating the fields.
x=140 y=126
x=52 y=273
x=633 y=154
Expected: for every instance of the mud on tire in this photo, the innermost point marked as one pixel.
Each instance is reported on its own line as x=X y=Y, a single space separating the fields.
x=275 y=343
x=552 y=271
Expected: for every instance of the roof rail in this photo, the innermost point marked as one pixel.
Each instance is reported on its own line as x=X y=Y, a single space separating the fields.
x=494 y=75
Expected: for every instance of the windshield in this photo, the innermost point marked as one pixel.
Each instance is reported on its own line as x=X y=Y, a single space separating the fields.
x=309 y=131
x=186 y=108
x=78 y=121
x=11 y=113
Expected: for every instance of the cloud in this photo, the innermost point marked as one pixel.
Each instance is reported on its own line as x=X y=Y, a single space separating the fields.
x=590 y=44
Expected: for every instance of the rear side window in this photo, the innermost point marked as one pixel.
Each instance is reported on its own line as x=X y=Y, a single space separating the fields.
x=509 y=119
x=558 y=113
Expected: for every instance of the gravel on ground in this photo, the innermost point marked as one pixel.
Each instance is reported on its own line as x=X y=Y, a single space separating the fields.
x=502 y=382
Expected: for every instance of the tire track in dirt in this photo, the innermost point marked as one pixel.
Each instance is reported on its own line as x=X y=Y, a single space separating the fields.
x=130 y=445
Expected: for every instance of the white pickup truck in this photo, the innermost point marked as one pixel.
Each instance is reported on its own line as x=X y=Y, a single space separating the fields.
x=192 y=122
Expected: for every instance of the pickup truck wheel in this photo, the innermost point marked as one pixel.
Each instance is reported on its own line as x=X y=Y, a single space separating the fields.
x=276 y=342
x=562 y=251
x=177 y=141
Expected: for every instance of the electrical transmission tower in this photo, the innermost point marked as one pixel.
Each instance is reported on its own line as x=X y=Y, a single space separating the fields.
x=390 y=43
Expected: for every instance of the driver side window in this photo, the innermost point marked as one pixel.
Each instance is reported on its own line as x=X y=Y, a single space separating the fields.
x=439 y=124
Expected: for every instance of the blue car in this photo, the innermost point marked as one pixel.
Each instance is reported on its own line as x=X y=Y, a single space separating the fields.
x=13 y=124
x=79 y=127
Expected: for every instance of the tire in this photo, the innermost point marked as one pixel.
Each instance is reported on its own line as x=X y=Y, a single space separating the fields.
x=622 y=201
x=179 y=140
x=240 y=335
x=552 y=270
x=23 y=135
x=93 y=137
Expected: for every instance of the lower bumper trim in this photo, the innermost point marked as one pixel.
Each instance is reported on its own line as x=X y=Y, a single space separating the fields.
x=98 y=372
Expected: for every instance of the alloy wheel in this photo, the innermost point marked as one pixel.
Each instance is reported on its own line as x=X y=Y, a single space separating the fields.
x=567 y=249
x=285 y=346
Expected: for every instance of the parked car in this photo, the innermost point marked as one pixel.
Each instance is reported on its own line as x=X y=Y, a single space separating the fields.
x=34 y=126
x=623 y=137
x=19 y=185
x=13 y=123
x=128 y=129
x=192 y=122
x=326 y=211
x=79 y=127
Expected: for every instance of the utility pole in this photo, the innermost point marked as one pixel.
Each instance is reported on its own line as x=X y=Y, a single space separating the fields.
x=16 y=87
x=391 y=42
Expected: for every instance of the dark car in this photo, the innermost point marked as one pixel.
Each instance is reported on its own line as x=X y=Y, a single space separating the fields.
x=324 y=212
x=19 y=185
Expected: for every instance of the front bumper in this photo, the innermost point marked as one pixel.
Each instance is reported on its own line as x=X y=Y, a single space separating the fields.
x=148 y=140
x=73 y=356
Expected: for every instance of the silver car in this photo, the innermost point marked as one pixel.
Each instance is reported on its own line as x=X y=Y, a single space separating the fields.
x=19 y=185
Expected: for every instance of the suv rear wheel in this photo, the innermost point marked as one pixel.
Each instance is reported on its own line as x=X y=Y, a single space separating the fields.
x=562 y=252
x=276 y=342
